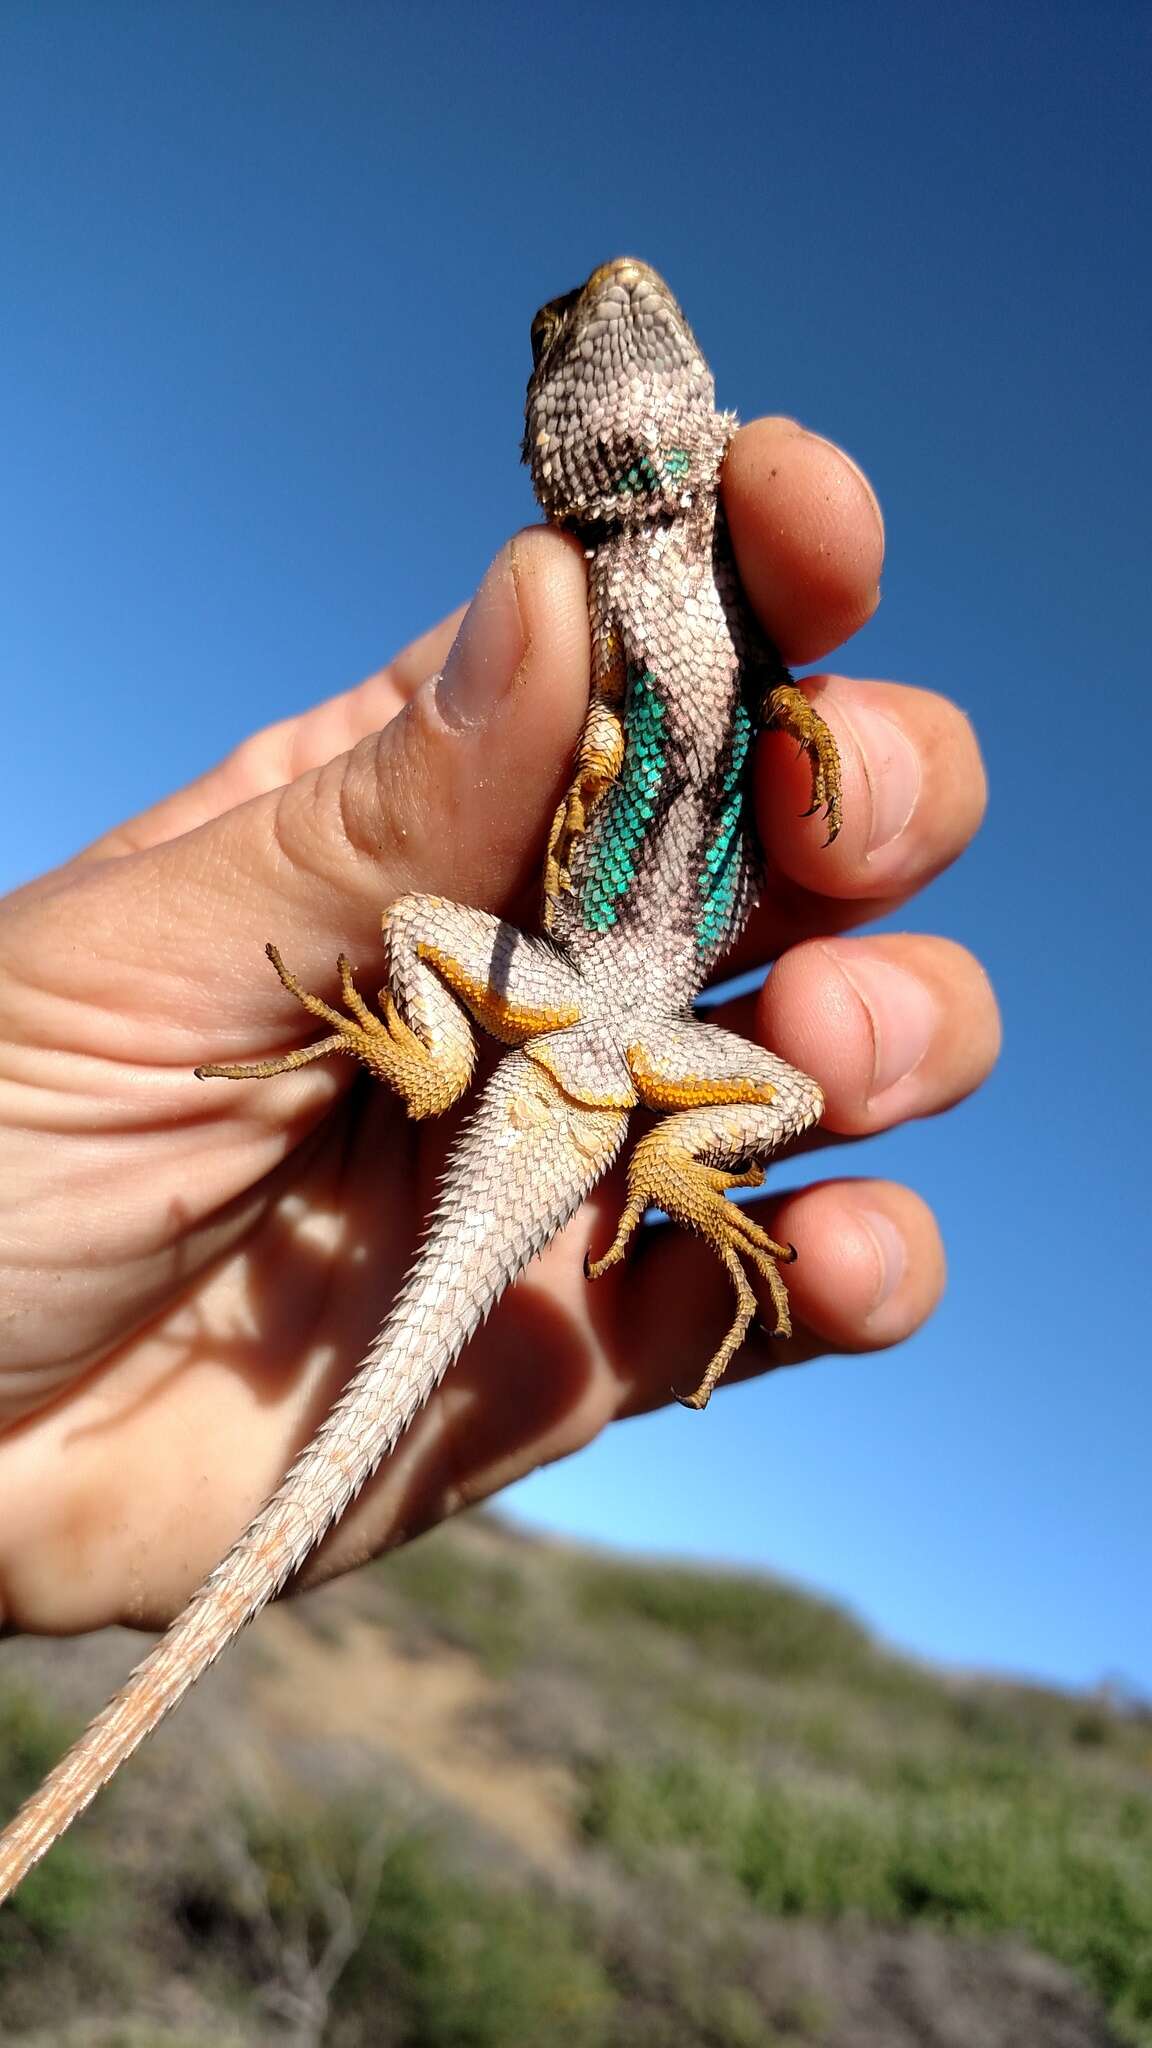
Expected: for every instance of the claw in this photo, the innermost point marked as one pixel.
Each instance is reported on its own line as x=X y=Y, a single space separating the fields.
x=788 y=709
x=663 y=1175
x=385 y=1044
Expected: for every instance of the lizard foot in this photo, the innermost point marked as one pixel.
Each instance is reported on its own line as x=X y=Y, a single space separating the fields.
x=388 y=1046
x=788 y=709
x=663 y=1174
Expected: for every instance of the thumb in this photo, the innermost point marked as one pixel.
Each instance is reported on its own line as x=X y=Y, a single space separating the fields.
x=452 y=797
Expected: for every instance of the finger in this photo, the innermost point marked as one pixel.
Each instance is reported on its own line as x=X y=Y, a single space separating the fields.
x=774 y=470
x=281 y=752
x=870 y=1270
x=450 y=798
x=807 y=535
x=893 y=1026
x=914 y=795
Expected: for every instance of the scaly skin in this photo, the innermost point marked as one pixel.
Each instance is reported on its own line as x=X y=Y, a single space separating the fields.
x=651 y=869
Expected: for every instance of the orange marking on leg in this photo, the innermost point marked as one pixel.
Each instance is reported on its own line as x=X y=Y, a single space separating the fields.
x=511 y=1022
x=690 y=1091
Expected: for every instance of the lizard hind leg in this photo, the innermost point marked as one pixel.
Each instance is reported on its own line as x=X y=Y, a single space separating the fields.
x=667 y=1172
x=745 y=1103
x=445 y=963
x=428 y=1078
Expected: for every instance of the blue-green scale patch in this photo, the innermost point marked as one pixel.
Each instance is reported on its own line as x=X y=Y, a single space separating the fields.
x=648 y=474
x=629 y=808
x=719 y=878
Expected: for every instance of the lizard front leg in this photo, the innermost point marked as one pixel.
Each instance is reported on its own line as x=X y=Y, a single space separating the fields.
x=599 y=758
x=445 y=962
x=735 y=1105
x=598 y=762
x=787 y=709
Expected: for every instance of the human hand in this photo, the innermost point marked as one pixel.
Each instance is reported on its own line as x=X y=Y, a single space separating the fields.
x=191 y=1271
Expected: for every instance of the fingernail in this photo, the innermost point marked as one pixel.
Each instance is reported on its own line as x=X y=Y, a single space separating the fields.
x=891 y=768
x=902 y=1012
x=487 y=651
x=891 y=1255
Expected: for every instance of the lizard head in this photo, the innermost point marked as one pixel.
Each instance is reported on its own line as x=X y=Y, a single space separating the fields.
x=620 y=424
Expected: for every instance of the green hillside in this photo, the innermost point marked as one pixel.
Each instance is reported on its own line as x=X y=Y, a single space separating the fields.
x=495 y=1792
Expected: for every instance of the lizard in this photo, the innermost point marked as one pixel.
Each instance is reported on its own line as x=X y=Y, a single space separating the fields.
x=651 y=869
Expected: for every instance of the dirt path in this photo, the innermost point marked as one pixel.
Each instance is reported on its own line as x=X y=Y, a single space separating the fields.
x=430 y=1711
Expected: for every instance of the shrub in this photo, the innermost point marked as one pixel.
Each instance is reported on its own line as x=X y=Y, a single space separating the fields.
x=1059 y=1862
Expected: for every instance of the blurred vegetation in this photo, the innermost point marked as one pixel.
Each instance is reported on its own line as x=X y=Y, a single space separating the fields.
x=438 y=1960
x=742 y=1759
x=991 y=1851
x=66 y=1917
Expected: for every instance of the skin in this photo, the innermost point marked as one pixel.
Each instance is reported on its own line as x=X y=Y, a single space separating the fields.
x=191 y=1270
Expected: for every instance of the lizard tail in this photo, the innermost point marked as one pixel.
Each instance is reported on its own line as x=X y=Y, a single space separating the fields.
x=519 y=1171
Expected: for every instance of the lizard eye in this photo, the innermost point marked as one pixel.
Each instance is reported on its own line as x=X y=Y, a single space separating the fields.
x=543 y=328
x=547 y=324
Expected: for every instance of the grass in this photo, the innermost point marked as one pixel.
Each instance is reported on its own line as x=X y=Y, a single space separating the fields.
x=483 y=1609
x=745 y=1623
x=56 y=1896
x=452 y=1963
x=967 y=1848
x=743 y=1759
x=65 y=1917
x=763 y=1739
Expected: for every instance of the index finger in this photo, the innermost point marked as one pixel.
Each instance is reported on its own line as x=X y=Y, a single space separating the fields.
x=807 y=535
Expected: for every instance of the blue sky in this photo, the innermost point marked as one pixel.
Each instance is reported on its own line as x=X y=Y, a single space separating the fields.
x=268 y=271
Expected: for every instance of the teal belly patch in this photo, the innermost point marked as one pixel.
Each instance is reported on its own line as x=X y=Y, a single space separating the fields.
x=719 y=878
x=652 y=473
x=621 y=826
